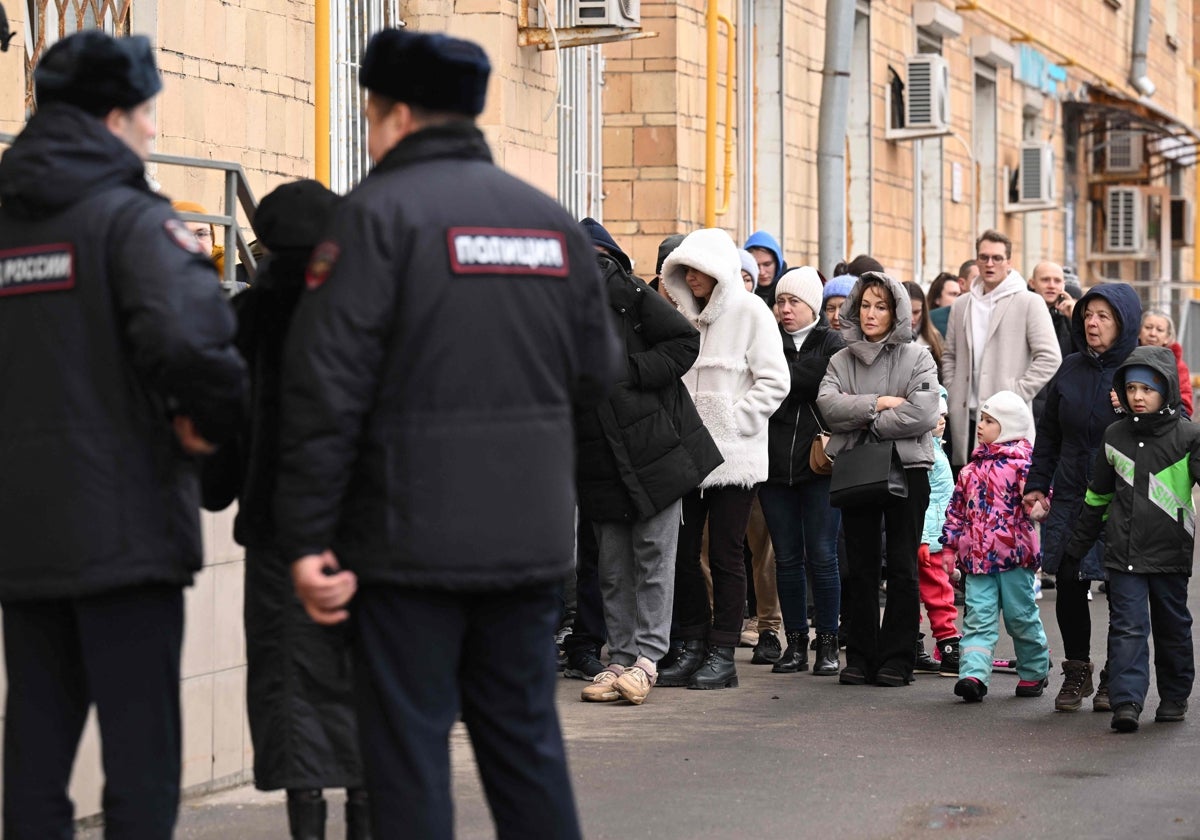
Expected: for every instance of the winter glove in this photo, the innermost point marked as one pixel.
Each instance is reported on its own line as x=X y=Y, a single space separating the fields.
x=923 y=554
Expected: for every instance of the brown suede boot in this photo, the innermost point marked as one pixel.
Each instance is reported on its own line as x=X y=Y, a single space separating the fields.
x=1077 y=684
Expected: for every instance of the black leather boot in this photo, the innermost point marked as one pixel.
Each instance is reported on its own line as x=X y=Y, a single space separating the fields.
x=358 y=815
x=717 y=671
x=673 y=652
x=826 y=664
x=690 y=658
x=795 y=658
x=306 y=814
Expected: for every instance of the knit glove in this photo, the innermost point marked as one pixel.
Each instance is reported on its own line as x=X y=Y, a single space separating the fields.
x=923 y=554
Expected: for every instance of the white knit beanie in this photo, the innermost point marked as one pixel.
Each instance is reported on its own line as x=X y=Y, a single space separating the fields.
x=804 y=283
x=1011 y=412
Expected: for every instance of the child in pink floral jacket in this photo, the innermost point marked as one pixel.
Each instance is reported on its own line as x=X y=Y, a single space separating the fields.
x=994 y=541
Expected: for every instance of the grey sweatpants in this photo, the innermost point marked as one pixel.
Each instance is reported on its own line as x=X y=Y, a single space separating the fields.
x=637 y=583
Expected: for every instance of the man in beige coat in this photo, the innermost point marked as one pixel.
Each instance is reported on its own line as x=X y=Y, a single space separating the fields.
x=999 y=337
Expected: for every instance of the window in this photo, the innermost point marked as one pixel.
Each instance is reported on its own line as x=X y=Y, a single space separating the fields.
x=983 y=145
x=50 y=20
x=580 y=121
x=350 y=27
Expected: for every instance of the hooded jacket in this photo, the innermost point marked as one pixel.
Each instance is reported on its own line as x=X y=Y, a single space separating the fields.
x=645 y=446
x=741 y=376
x=111 y=321
x=986 y=524
x=1077 y=411
x=1019 y=353
x=1140 y=493
x=941 y=488
x=762 y=239
x=866 y=370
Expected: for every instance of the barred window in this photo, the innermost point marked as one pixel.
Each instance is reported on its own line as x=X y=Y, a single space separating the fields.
x=351 y=25
x=50 y=20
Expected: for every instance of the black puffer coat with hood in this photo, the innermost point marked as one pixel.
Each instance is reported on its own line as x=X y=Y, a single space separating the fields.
x=1078 y=410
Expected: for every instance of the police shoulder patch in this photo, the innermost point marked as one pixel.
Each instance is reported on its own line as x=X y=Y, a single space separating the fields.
x=507 y=251
x=41 y=268
x=181 y=236
x=321 y=263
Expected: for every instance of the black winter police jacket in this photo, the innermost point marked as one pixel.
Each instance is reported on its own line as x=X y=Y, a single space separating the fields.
x=111 y=320
x=645 y=446
x=454 y=318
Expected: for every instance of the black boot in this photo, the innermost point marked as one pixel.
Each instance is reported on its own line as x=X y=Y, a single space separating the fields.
x=826 y=664
x=358 y=815
x=795 y=658
x=923 y=663
x=306 y=814
x=673 y=652
x=689 y=660
x=717 y=671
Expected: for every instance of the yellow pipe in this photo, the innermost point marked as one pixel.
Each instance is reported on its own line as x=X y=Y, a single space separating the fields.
x=730 y=64
x=1024 y=36
x=1196 y=216
x=321 y=71
x=710 y=118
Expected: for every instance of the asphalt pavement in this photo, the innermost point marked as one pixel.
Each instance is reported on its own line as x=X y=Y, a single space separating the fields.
x=799 y=756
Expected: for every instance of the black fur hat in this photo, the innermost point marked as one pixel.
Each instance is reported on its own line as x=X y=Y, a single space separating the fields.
x=294 y=215
x=433 y=71
x=96 y=72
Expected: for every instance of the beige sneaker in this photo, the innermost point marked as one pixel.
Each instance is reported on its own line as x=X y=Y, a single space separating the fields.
x=601 y=690
x=749 y=636
x=635 y=683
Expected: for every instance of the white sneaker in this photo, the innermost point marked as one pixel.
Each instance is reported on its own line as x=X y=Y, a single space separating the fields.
x=636 y=682
x=1037 y=588
x=602 y=689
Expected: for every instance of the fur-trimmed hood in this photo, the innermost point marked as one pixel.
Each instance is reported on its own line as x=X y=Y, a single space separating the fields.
x=713 y=252
x=868 y=351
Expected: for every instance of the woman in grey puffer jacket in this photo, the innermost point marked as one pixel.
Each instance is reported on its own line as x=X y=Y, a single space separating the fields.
x=882 y=385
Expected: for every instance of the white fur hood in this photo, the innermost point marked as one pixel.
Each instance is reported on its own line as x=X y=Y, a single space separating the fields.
x=711 y=251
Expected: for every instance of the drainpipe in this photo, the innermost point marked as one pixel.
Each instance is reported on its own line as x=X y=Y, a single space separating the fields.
x=1141 y=39
x=831 y=138
x=321 y=93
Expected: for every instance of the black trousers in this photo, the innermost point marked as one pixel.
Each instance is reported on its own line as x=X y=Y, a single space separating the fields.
x=424 y=657
x=120 y=651
x=870 y=644
x=588 y=633
x=727 y=511
x=1072 y=610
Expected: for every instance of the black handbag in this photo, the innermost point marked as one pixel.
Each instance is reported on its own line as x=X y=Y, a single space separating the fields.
x=870 y=474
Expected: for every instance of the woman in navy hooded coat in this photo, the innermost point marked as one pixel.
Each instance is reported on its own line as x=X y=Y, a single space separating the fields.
x=1079 y=407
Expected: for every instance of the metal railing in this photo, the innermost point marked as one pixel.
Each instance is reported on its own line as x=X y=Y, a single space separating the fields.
x=237 y=191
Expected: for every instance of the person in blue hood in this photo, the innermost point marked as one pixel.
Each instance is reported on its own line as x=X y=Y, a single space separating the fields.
x=1079 y=406
x=771 y=265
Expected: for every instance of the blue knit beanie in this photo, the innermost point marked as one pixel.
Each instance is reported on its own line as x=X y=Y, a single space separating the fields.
x=1148 y=376
x=839 y=286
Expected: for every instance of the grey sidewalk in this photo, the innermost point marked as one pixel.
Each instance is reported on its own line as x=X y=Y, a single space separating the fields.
x=789 y=755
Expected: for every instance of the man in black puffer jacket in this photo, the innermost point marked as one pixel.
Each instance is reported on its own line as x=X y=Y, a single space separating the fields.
x=451 y=326
x=640 y=451
x=118 y=365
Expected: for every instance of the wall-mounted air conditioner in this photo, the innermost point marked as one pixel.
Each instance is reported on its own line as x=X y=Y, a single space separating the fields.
x=1125 y=220
x=1035 y=184
x=623 y=13
x=927 y=93
x=1123 y=149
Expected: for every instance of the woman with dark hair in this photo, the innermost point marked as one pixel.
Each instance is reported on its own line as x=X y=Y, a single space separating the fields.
x=943 y=290
x=923 y=330
x=882 y=386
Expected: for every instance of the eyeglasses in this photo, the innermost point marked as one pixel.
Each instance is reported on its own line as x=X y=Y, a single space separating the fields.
x=202 y=234
x=991 y=258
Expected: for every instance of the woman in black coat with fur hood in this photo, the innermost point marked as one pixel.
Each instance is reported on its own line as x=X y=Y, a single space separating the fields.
x=299 y=685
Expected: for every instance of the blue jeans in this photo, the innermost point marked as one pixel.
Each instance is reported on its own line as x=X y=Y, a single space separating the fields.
x=804 y=527
x=1138 y=606
x=1009 y=592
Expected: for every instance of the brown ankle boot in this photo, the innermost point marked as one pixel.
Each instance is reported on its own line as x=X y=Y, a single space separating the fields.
x=1077 y=684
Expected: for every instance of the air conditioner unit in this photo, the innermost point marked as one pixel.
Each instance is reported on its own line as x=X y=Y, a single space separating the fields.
x=927 y=93
x=1125 y=220
x=1123 y=150
x=1036 y=183
x=623 y=13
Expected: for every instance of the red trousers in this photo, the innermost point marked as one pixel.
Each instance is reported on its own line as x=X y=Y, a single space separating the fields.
x=938 y=596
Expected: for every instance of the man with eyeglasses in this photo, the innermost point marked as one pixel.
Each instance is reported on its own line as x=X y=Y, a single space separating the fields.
x=999 y=337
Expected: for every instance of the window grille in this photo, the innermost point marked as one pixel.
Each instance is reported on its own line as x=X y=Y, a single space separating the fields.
x=580 y=120
x=46 y=21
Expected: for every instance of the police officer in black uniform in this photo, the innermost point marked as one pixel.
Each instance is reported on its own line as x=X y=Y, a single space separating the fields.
x=454 y=318
x=117 y=366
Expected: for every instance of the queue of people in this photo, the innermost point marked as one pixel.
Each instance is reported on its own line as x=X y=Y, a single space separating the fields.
x=338 y=403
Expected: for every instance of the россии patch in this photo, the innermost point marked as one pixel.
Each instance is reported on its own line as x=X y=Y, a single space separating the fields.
x=41 y=268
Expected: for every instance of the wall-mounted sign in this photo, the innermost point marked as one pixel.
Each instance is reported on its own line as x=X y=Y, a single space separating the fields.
x=1038 y=72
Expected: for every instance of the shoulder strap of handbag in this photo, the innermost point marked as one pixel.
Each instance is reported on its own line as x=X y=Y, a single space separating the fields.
x=817 y=420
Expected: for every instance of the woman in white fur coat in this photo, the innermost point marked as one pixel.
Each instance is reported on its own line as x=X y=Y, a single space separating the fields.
x=739 y=379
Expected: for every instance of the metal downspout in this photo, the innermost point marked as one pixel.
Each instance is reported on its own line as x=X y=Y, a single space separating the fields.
x=711 y=23
x=1138 y=76
x=831 y=140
